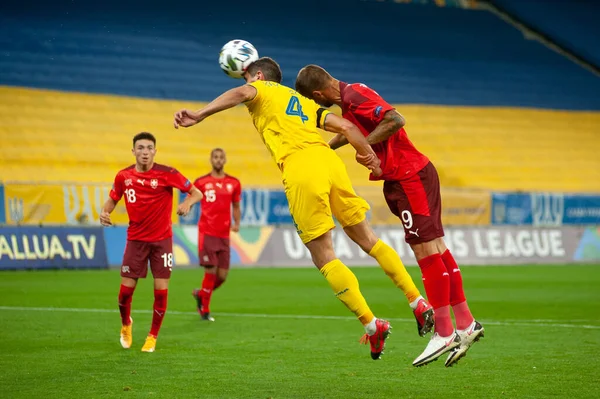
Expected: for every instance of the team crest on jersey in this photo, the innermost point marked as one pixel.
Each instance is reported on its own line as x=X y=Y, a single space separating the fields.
x=209 y=186
x=128 y=182
x=154 y=183
x=229 y=187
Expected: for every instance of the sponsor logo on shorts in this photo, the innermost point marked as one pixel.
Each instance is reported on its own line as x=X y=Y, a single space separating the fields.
x=125 y=269
x=206 y=258
x=416 y=232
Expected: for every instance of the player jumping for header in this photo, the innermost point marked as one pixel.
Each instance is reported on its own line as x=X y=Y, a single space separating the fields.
x=317 y=185
x=412 y=191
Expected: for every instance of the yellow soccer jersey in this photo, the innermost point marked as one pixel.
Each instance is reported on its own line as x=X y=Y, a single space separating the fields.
x=286 y=120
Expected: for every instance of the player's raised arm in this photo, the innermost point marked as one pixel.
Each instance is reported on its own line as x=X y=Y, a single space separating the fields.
x=229 y=99
x=364 y=153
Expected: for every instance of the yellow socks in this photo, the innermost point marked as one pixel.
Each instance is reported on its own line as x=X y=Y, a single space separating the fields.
x=345 y=285
x=390 y=262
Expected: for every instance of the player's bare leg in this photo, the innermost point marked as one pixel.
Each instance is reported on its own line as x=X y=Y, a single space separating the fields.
x=204 y=294
x=468 y=329
x=125 y=298
x=363 y=235
x=222 y=274
x=346 y=288
x=161 y=287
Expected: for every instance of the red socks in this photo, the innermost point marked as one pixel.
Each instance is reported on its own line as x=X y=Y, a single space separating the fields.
x=160 y=308
x=208 y=286
x=461 y=310
x=437 y=287
x=125 y=297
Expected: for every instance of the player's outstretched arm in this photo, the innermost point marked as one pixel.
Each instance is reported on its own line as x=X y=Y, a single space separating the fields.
x=195 y=196
x=364 y=153
x=107 y=209
x=392 y=122
x=229 y=99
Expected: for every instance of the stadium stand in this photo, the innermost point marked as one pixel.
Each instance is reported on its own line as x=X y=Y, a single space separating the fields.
x=566 y=32
x=77 y=85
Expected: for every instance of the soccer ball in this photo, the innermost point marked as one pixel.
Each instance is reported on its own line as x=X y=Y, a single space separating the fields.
x=236 y=56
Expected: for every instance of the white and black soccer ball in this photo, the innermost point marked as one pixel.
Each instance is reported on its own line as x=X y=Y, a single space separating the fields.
x=236 y=56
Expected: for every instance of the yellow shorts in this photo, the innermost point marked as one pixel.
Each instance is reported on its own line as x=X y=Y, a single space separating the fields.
x=317 y=186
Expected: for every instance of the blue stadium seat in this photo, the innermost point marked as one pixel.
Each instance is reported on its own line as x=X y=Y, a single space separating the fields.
x=409 y=53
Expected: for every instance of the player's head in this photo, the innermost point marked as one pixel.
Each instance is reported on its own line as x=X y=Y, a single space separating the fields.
x=264 y=68
x=218 y=159
x=144 y=148
x=316 y=83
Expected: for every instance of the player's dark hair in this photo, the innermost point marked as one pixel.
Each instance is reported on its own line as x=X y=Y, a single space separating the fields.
x=269 y=68
x=217 y=149
x=144 y=136
x=311 y=78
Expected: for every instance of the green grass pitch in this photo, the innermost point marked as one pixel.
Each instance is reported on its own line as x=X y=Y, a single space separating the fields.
x=280 y=333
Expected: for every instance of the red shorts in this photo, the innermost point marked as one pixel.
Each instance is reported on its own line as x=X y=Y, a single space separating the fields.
x=138 y=254
x=213 y=251
x=417 y=202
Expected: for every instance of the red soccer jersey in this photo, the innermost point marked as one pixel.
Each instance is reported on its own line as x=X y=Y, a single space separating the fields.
x=366 y=109
x=219 y=194
x=149 y=200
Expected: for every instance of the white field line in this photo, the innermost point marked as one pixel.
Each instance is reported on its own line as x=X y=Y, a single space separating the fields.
x=515 y=323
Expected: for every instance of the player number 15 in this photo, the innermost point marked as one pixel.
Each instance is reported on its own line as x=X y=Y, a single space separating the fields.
x=210 y=195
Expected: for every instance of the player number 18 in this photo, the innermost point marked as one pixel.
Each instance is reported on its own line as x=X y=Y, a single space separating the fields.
x=167 y=259
x=130 y=195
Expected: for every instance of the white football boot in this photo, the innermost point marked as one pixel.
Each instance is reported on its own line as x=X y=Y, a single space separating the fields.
x=436 y=347
x=467 y=336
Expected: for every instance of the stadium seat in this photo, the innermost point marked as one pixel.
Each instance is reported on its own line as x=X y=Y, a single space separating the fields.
x=475 y=78
x=87 y=138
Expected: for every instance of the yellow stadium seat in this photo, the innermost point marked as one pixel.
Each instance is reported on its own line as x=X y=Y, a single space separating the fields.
x=70 y=137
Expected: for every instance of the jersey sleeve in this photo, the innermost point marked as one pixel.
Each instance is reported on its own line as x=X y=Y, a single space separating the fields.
x=179 y=181
x=198 y=184
x=321 y=115
x=259 y=85
x=371 y=105
x=117 y=189
x=237 y=193
x=314 y=111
